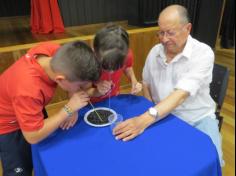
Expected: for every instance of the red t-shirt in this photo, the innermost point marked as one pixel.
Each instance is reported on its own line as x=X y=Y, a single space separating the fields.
x=25 y=89
x=115 y=77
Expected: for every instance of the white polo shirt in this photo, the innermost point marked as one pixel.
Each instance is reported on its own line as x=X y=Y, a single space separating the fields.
x=190 y=70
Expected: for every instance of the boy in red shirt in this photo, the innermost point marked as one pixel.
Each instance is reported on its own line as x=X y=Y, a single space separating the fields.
x=27 y=87
x=111 y=45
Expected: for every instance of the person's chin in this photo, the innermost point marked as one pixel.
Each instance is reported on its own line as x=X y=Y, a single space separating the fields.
x=168 y=45
x=170 y=48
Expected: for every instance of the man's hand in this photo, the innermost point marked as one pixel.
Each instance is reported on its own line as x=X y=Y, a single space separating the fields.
x=136 y=88
x=70 y=122
x=133 y=127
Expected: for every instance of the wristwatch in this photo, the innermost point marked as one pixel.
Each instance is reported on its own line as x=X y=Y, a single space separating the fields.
x=68 y=110
x=154 y=113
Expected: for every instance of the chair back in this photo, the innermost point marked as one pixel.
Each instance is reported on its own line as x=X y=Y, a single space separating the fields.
x=219 y=84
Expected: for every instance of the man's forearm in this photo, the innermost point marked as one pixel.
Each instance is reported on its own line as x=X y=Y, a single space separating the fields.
x=171 y=102
x=165 y=107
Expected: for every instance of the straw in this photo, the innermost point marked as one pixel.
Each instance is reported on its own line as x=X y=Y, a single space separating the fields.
x=109 y=96
x=95 y=111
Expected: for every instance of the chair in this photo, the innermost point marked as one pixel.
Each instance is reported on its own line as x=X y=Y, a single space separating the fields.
x=218 y=88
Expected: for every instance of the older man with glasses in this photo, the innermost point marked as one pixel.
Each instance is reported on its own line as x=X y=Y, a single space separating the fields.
x=176 y=76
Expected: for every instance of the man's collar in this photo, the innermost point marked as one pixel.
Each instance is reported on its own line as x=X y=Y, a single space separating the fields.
x=162 y=55
x=188 y=48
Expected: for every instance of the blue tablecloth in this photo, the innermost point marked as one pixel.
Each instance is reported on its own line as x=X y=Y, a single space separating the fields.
x=168 y=148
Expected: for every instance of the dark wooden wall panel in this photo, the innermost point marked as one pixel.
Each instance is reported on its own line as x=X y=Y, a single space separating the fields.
x=207 y=25
x=80 y=12
x=204 y=15
x=145 y=12
x=14 y=8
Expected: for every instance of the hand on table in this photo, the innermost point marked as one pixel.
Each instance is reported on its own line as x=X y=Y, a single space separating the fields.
x=133 y=127
x=70 y=122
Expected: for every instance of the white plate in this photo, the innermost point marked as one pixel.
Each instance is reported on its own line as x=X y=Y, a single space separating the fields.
x=99 y=108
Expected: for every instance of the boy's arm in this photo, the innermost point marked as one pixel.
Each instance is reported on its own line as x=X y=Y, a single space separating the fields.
x=129 y=72
x=76 y=102
x=136 y=86
x=50 y=125
x=70 y=122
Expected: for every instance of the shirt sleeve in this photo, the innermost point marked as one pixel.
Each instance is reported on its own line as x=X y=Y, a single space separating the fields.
x=200 y=74
x=129 y=60
x=146 y=69
x=46 y=48
x=145 y=74
x=28 y=112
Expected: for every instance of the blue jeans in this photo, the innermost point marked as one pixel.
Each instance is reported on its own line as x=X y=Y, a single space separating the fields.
x=209 y=125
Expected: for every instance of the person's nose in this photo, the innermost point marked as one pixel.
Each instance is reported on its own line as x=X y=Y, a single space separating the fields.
x=165 y=39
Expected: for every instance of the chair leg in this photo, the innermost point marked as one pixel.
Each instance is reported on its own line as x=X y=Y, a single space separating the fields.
x=220 y=118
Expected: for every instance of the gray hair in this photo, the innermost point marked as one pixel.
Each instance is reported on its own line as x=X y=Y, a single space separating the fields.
x=183 y=14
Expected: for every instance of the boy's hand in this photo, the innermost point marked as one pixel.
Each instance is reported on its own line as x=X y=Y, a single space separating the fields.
x=78 y=100
x=104 y=87
x=70 y=122
x=136 y=88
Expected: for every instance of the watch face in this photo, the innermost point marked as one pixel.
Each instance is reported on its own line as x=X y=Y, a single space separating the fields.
x=153 y=111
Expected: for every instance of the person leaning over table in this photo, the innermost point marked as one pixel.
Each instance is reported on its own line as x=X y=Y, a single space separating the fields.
x=111 y=46
x=27 y=87
x=176 y=76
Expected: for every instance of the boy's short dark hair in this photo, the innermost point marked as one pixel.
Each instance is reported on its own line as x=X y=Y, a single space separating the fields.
x=111 y=45
x=77 y=62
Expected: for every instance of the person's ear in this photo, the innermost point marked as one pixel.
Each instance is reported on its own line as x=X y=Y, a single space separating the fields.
x=59 y=78
x=189 y=27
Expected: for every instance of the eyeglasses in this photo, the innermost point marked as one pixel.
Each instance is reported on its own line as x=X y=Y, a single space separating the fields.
x=169 y=33
x=166 y=33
